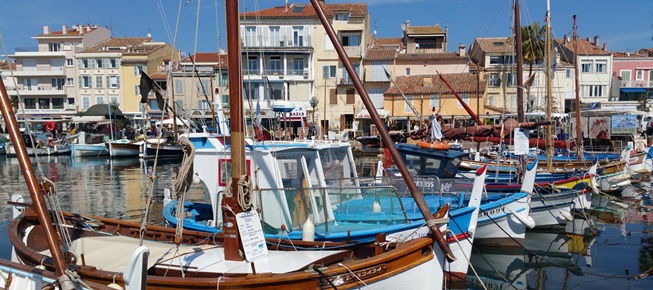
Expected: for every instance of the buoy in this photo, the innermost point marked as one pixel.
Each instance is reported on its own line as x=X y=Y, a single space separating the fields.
x=308 y=230
x=376 y=207
x=196 y=179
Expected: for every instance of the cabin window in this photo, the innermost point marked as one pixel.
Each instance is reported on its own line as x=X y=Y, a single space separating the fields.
x=224 y=170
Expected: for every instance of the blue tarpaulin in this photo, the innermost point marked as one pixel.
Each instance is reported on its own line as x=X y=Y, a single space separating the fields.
x=633 y=90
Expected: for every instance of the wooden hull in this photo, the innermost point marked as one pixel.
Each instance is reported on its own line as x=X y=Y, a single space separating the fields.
x=124 y=149
x=415 y=264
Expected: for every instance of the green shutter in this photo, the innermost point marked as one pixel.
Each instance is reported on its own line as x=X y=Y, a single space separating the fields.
x=118 y=82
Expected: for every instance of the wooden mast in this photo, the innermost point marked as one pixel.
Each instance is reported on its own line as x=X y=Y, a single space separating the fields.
x=579 y=137
x=520 y=79
x=385 y=137
x=32 y=184
x=548 y=62
x=232 y=243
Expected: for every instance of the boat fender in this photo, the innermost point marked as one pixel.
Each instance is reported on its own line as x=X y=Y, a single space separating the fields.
x=528 y=222
x=308 y=230
x=376 y=207
x=50 y=142
x=567 y=215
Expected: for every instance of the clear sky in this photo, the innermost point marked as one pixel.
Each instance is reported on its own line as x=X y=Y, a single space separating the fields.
x=625 y=25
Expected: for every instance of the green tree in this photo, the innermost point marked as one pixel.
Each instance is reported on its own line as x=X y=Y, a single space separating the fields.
x=533 y=49
x=13 y=100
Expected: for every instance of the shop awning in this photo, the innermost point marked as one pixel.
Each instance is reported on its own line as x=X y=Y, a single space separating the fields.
x=364 y=114
x=633 y=90
x=88 y=119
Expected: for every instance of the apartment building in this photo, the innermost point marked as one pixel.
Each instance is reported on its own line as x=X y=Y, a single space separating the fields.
x=200 y=80
x=594 y=67
x=46 y=76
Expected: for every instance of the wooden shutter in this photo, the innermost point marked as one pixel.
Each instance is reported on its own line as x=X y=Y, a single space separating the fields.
x=333 y=98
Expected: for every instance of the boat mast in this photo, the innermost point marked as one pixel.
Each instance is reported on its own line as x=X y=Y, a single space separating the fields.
x=385 y=137
x=579 y=138
x=232 y=243
x=32 y=184
x=548 y=62
x=520 y=79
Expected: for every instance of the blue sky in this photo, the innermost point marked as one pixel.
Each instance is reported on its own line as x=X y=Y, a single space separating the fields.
x=626 y=25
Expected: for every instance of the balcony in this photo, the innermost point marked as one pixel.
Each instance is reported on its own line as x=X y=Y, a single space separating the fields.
x=637 y=84
x=353 y=51
x=41 y=72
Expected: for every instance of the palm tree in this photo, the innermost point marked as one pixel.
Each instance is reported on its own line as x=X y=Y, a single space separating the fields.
x=532 y=50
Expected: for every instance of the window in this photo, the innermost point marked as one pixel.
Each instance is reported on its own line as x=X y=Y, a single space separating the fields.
x=31 y=84
x=44 y=103
x=378 y=73
x=298 y=66
x=494 y=80
x=137 y=90
x=154 y=105
x=86 y=102
x=252 y=65
x=99 y=100
x=407 y=71
x=568 y=73
x=275 y=36
x=85 y=82
x=114 y=62
x=29 y=65
x=114 y=100
x=409 y=100
x=203 y=88
x=225 y=80
x=598 y=91
x=69 y=62
x=83 y=63
x=58 y=84
x=203 y=105
x=98 y=82
x=376 y=95
x=625 y=78
x=30 y=103
x=502 y=59
x=435 y=101
x=298 y=35
x=54 y=46
x=333 y=98
x=328 y=45
x=345 y=75
x=98 y=63
x=465 y=99
x=328 y=71
x=70 y=82
x=275 y=65
x=179 y=87
x=113 y=82
x=343 y=16
x=57 y=103
x=351 y=39
x=350 y=96
x=137 y=70
x=250 y=36
x=586 y=67
x=512 y=79
x=600 y=66
x=56 y=65
x=639 y=74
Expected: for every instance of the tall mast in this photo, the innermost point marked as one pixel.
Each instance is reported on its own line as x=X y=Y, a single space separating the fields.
x=385 y=137
x=520 y=79
x=231 y=242
x=548 y=62
x=579 y=138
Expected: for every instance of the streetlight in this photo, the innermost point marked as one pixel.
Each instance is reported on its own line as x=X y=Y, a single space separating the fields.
x=313 y=102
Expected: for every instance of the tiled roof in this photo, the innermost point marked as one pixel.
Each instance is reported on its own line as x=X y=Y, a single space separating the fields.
x=5 y=66
x=496 y=45
x=436 y=29
x=122 y=45
x=584 y=47
x=159 y=76
x=387 y=42
x=295 y=11
x=646 y=51
x=414 y=85
x=627 y=55
x=201 y=57
x=380 y=54
x=429 y=56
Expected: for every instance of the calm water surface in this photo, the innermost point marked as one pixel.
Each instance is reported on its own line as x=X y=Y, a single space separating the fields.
x=607 y=253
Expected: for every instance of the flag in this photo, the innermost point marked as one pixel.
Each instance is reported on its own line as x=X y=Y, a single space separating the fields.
x=387 y=74
x=147 y=85
x=436 y=129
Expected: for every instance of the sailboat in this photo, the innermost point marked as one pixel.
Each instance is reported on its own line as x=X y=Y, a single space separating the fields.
x=109 y=251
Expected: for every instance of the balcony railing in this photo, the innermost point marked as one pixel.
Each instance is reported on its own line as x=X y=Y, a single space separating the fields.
x=637 y=84
x=353 y=51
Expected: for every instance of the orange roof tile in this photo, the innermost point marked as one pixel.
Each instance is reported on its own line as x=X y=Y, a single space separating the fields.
x=122 y=44
x=413 y=85
x=429 y=56
x=584 y=47
x=496 y=45
x=380 y=54
x=436 y=29
x=206 y=57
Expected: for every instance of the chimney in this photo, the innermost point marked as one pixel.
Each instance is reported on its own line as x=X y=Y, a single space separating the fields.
x=64 y=29
x=605 y=46
x=407 y=24
x=46 y=29
x=596 y=40
x=461 y=49
x=285 y=7
x=565 y=40
x=588 y=38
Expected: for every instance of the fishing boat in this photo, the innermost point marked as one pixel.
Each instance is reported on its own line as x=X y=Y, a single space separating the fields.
x=124 y=148
x=139 y=256
x=84 y=148
x=160 y=147
x=43 y=146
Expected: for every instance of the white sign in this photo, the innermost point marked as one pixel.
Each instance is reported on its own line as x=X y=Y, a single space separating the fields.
x=251 y=235
x=521 y=141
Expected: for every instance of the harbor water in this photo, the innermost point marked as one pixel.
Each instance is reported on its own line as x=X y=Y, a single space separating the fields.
x=606 y=248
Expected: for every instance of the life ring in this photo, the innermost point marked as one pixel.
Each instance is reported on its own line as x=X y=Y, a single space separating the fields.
x=50 y=142
x=436 y=145
x=50 y=126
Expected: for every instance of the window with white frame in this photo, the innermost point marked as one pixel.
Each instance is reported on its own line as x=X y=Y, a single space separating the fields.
x=99 y=100
x=275 y=64
x=252 y=65
x=512 y=79
x=600 y=66
x=114 y=62
x=85 y=82
x=407 y=71
x=378 y=73
x=586 y=67
x=70 y=82
x=29 y=65
x=297 y=66
x=598 y=91
x=86 y=102
x=298 y=35
x=69 y=62
x=328 y=45
x=113 y=82
x=328 y=71
x=137 y=70
x=98 y=82
x=179 y=87
x=54 y=46
x=639 y=74
x=350 y=39
x=376 y=95
x=99 y=63
x=56 y=64
x=568 y=73
x=137 y=90
x=250 y=36
x=494 y=80
x=435 y=101
x=342 y=16
x=114 y=100
x=465 y=98
x=83 y=63
x=407 y=107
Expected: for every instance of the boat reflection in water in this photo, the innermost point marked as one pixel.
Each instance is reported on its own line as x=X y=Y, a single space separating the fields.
x=523 y=268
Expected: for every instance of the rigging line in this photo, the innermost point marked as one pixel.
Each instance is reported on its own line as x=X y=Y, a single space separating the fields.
x=165 y=20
